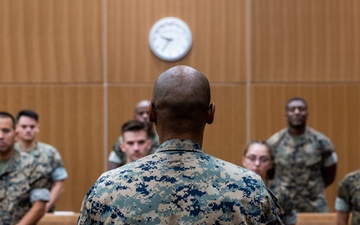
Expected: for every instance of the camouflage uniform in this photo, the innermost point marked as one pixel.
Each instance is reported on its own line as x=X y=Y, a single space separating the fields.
x=118 y=156
x=348 y=198
x=286 y=205
x=298 y=167
x=179 y=184
x=22 y=183
x=50 y=161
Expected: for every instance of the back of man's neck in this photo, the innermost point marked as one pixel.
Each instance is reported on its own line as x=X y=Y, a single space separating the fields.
x=194 y=138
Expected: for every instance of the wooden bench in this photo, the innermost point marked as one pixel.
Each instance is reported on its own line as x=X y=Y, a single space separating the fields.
x=70 y=218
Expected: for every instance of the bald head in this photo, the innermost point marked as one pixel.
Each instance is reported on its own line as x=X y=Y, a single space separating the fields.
x=143 y=103
x=181 y=98
x=142 y=110
x=182 y=89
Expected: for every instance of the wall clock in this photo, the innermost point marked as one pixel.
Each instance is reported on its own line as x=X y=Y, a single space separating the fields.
x=170 y=39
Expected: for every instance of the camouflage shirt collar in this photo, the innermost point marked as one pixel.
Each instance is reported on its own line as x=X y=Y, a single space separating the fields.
x=36 y=147
x=298 y=140
x=179 y=145
x=13 y=161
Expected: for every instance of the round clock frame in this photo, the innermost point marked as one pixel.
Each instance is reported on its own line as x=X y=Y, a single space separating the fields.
x=170 y=39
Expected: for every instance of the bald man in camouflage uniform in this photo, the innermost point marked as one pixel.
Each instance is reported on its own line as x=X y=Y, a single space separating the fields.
x=23 y=195
x=348 y=199
x=180 y=183
x=305 y=160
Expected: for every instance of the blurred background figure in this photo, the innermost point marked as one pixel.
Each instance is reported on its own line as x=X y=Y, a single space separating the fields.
x=141 y=113
x=257 y=157
x=135 y=143
x=23 y=192
x=348 y=199
x=27 y=128
x=305 y=160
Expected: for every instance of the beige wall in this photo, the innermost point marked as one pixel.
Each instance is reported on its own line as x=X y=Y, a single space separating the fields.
x=84 y=64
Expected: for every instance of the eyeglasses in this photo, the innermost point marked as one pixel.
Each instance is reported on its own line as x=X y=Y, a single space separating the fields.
x=262 y=159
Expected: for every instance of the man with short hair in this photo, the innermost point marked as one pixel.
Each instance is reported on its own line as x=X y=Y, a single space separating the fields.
x=135 y=143
x=179 y=183
x=23 y=193
x=117 y=157
x=305 y=160
x=27 y=128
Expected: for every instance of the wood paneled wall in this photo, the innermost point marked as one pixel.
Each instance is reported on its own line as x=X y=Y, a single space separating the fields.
x=83 y=65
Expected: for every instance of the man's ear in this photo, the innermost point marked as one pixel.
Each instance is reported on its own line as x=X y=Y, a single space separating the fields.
x=148 y=144
x=122 y=146
x=152 y=113
x=211 y=112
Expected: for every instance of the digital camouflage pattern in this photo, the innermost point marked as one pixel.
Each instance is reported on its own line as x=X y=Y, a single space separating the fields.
x=179 y=184
x=298 y=168
x=121 y=155
x=349 y=193
x=21 y=176
x=49 y=160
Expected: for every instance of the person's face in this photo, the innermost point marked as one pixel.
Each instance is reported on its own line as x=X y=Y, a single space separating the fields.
x=258 y=159
x=135 y=145
x=142 y=113
x=27 y=128
x=296 y=113
x=7 y=135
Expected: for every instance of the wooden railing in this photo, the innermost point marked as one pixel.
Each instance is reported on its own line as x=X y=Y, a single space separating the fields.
x=59 y=218
x=316 y=219
x=303 y=219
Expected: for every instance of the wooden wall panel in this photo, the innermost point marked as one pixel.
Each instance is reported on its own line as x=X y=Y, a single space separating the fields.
x=218 y=41
x=50 y=41
x=226 y=137
x=305 y=40
x=333 y=110
x=72 y=121
x=122 y=100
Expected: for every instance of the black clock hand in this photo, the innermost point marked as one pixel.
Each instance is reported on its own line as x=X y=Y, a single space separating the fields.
x=166 y=38
x=165 y=45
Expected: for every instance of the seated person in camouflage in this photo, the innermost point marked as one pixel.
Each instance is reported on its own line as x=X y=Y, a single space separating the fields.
x=23 y=194
x=305 y=160
x=348 y=199
x=117 y=157
x=258 y=158
x=180 y=183
x=135 y=143
x=27 y=127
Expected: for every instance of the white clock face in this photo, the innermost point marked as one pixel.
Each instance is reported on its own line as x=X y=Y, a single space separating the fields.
x=170 y=39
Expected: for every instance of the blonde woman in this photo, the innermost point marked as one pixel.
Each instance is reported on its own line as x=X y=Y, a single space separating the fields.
x=257 y=157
